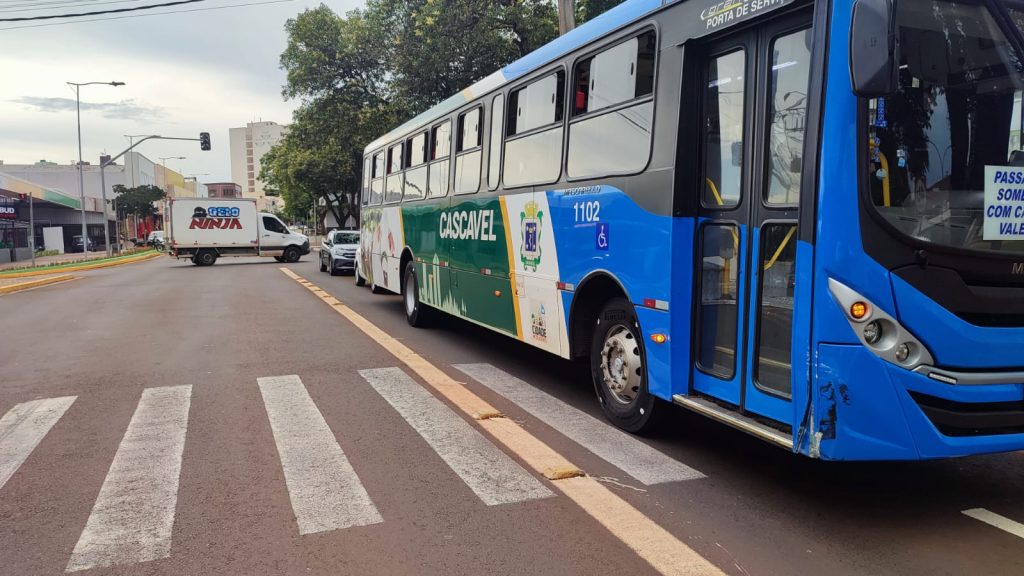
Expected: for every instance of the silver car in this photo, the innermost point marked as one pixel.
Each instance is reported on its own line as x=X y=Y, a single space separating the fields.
x=338 y=252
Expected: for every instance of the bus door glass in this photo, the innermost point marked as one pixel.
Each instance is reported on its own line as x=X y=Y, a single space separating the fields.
x=753 y=112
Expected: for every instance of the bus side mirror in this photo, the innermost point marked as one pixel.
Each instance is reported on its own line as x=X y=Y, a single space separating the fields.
x=874 y=60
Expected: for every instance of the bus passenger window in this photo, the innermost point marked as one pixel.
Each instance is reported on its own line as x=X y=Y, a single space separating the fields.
x=416 y=174
x=604 y=143
x=393 y=191
x=723 y=130
x=787 y=97
x=364 y=195
x=775 y=323
x=619 y=74
x=440 y=150
x=467 y=153
x=377 y=184
x=494 y=156
x=533 y=128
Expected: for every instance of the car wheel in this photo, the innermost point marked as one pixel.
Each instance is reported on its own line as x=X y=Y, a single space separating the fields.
x=619 y=369
x=334 y=270
x=291 y=254
x=323 y=267
x=416 y=313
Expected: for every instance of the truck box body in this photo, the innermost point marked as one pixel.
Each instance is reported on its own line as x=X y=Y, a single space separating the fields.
x=213 y=223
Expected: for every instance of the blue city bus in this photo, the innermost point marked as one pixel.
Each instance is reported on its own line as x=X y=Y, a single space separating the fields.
x=802 y=219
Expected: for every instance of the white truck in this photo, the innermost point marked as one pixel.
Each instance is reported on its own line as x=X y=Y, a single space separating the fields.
x=204 y=229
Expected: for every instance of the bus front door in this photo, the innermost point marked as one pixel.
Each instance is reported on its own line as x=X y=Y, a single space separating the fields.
x=753 y=98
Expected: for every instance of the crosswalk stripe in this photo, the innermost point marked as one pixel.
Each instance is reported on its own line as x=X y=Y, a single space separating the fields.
x=993 y=519
x=490 y=473
x=133 y=516
x=24 y=427
x=618 y=448
x=325 y=491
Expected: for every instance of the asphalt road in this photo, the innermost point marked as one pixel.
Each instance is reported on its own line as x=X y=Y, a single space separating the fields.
x=146 y=429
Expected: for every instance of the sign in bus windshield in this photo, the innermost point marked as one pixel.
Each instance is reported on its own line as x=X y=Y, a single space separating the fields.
x=1004 y=203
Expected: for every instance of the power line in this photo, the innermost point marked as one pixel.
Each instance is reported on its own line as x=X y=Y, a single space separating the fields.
x=113 y=11
x=36 y=7
x=141 y=15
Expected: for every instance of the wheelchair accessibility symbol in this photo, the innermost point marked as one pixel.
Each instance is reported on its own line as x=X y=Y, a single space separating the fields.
x=603 y=238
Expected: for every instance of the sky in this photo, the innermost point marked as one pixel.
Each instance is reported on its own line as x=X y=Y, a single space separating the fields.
x=184 y=73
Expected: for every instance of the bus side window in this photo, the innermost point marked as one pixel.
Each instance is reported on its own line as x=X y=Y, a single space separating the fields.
x=377 y=182
x=440 y=151
x=416 y=174
x=393 y=191
x=533 y=128
x=364 y=195
x=468 y=153
x=494 y=156
x=614 y=103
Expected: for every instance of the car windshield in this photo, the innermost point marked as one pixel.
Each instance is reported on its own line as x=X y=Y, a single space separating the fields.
x=347 y=238
x=955 y=116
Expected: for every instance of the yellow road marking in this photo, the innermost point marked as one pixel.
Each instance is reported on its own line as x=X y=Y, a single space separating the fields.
x=11 y=288
x=658 y=547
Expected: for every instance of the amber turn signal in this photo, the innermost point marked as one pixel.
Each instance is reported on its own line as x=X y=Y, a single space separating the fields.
x=858 y=310
x=658 y=338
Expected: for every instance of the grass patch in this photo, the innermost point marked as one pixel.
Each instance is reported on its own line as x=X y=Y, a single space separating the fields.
x=67 y=264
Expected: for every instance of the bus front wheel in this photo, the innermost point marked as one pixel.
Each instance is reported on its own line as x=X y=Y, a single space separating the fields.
x=618 y=368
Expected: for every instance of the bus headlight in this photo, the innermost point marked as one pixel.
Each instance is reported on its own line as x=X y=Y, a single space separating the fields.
x=880 y=333
x=872 y=332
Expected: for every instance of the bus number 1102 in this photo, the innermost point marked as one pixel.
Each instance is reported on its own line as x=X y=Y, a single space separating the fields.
x=587 y=211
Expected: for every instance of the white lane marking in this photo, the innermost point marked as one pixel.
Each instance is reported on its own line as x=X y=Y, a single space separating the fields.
x=618 y=448
x=490 y=473
x=24 y=427
x=993 y=519
x=325 y=491
x=133 y=517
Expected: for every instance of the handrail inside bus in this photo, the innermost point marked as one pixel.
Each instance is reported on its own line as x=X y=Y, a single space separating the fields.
x=885 y=180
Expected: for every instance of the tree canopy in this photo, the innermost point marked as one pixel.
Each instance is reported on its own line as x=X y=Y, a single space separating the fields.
x=138 y=200
x=359 y=75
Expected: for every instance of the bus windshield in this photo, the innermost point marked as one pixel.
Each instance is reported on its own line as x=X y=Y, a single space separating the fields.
x=957 y=110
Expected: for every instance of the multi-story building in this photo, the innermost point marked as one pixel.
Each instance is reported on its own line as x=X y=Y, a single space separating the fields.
x=248 y=145
x=137 y=170
x=224 y=190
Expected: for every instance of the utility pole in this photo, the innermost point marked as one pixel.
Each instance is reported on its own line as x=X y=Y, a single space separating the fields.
x=566 y=16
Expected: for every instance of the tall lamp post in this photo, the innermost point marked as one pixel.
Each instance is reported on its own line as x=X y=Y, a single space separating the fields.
x=81 y=175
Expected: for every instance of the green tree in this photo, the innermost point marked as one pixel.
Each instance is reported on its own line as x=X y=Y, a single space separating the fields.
x=137 y=201
x=360 y=75
x=590 y=9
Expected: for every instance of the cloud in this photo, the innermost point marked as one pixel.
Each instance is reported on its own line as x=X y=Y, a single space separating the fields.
x=128 y=109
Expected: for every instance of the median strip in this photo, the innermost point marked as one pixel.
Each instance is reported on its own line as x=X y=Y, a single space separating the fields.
x=659 y=548
x=11 y=288
x=104 y=263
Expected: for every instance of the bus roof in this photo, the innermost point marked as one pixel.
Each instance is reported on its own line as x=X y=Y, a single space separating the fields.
x=621 y=15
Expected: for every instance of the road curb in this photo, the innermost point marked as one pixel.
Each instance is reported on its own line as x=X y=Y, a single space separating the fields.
x=83 y=266
x=34 y=283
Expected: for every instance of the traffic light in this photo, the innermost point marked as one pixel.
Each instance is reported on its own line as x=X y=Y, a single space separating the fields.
x=204 y=141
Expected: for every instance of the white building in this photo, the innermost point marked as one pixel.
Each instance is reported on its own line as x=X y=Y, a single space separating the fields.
x=248 y=145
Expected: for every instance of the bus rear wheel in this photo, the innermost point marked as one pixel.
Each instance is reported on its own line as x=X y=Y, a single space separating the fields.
x=416 y=313
x=619 y=370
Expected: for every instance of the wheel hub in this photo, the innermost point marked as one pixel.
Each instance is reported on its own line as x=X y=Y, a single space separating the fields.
x=621 y=364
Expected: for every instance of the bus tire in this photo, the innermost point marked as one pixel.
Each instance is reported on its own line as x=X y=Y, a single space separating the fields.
x=416 y=314
x=618 y=368
x=205 y=258
x=291 y=254
x=360 y=281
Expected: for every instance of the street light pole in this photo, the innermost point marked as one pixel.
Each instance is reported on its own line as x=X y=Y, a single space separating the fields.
x=81 y=171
